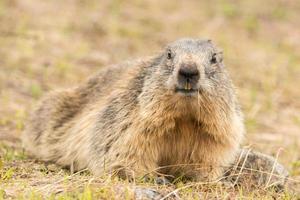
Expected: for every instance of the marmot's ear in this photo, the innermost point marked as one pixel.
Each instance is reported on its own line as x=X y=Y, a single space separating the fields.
x=219 y=55
x=205 y=40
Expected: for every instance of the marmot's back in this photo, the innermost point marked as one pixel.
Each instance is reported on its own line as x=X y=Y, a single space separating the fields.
x=55 y=114
x=175 y=113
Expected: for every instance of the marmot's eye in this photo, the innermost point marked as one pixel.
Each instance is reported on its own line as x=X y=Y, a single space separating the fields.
x=213 y=59
x=169 y=54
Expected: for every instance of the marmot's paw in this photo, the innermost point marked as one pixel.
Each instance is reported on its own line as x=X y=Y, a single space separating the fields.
x=162 y=181
x=159 y=180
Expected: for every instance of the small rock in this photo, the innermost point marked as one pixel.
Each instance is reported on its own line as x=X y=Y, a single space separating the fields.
x=146 y=194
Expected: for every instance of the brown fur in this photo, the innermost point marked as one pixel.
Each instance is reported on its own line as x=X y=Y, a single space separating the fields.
x=128 y=117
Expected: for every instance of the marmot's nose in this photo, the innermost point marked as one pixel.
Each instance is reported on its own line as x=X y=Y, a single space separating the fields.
x=188 y=73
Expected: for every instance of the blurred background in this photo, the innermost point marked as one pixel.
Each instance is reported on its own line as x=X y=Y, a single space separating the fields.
x=51 y=44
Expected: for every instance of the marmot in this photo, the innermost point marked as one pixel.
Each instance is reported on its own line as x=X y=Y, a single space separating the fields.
x=172 y=114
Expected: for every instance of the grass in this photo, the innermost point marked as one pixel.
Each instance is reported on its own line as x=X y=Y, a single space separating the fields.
x=44 y=47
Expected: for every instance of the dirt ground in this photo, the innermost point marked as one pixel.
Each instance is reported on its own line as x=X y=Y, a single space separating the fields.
x=53 y=44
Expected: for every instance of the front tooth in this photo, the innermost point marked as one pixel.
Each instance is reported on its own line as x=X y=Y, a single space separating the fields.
x=188 y=86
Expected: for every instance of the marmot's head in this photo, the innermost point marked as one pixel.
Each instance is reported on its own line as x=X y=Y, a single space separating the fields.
x=188 y=67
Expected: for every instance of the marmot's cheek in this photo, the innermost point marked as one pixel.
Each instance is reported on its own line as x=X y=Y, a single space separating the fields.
x=171 y=83
x=205 y=85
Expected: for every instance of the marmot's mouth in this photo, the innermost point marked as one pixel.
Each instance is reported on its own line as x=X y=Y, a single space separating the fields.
x=185 y=91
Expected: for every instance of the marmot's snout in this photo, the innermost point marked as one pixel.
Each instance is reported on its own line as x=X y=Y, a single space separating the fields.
x=188 y=77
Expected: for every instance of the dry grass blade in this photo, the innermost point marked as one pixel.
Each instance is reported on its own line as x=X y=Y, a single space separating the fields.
x=243 y=165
